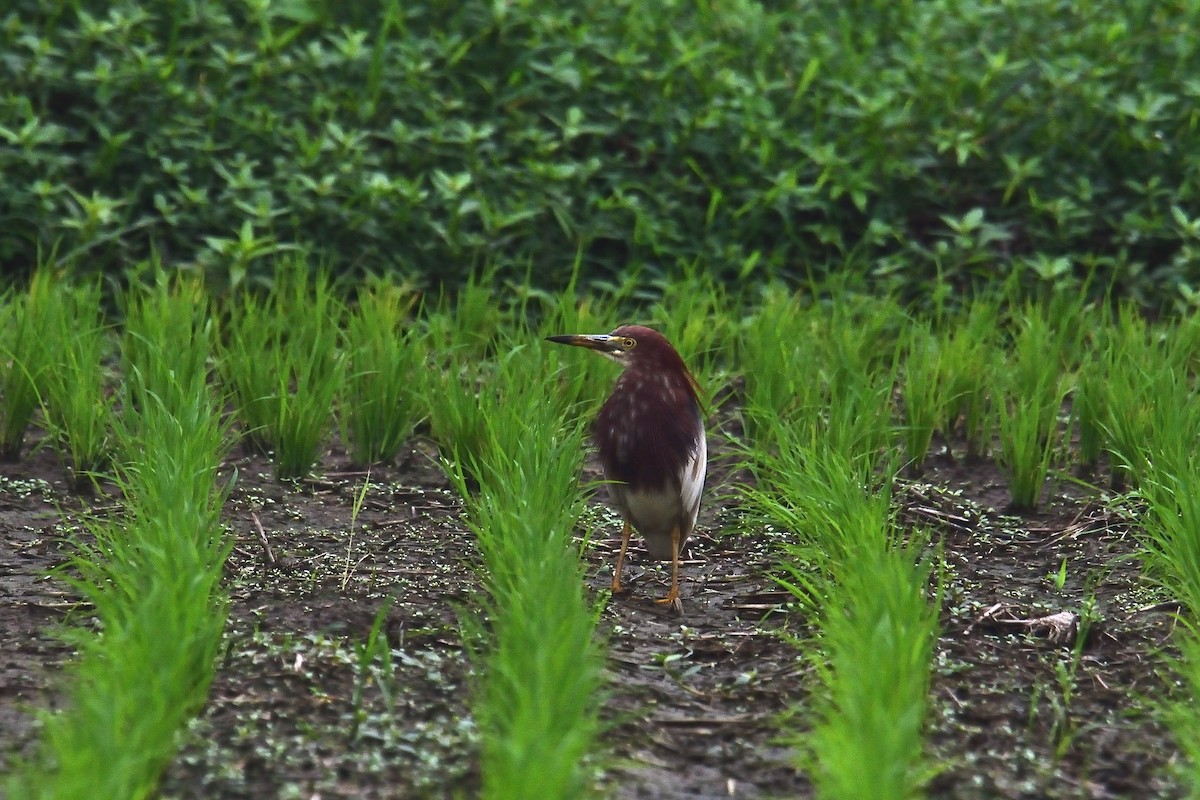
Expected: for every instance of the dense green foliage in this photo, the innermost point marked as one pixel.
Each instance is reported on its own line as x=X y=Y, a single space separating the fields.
x=894 y=140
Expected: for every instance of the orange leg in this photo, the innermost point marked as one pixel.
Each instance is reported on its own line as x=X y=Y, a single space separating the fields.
x=625 y=534
x=673 y=595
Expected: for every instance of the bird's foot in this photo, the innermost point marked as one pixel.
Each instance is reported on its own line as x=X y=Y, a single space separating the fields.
x=672 y=600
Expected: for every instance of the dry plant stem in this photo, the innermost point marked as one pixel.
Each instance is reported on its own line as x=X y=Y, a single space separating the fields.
x=262 y=539
x=626 y=532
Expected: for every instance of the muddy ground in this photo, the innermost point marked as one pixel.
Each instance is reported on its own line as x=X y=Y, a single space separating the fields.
x=696 y=703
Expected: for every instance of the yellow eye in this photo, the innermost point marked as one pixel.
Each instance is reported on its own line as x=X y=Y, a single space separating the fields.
x=629 y=343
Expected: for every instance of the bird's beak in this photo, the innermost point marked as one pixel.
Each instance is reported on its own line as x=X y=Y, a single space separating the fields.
x=600 y=342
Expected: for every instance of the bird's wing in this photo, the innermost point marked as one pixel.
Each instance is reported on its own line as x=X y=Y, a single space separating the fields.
x=692 y=483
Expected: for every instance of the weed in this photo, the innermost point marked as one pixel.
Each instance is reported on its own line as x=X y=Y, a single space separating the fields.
x=359 y=499
x=374 y=648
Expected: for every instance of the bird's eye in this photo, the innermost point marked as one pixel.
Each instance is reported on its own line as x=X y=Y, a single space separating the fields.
x=629 y=343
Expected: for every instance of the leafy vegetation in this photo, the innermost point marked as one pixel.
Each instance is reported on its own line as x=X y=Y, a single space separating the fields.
x=915 y=146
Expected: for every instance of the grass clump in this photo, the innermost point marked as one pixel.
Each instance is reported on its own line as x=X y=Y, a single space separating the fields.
x=24 y=353
x=378 y=402
x=74 y=386
x=283 y=361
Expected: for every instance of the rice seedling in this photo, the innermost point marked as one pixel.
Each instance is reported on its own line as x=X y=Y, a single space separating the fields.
x=1025 y=450
x=1172 y=536
x=467 y=323
x=378 y=407
x=969 y=354
x=578 y=381
x=1185 y=338
x=922 y=392
x=1072 y=318
x=459 y=399
x=1032 y=388
x=829 y=374
x=1145 y=390
x=859 y=355
x=1088 y=411
x=857 y=421
x=1183 y=716
x=151 y=574
x=77 y=402
x=460 y=385
x=23 y=360
x=868 y=741
x=537 y=703
x=694 y=313
x=823 y=479
x=860 y=336
x=1171 y=557
x=780 y=359
x=249 y=339
x=283 y=360
x=166 y=345
x=866 y=590
x=1151 y=421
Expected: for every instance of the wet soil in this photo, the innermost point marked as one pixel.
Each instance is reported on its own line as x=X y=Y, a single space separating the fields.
x=1049 y=658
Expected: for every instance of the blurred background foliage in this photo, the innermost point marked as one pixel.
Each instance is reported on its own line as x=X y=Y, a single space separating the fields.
x=909 y=145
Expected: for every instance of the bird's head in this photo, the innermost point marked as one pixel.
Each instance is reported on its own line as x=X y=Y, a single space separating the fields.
x=628 y=345
x=636 y=348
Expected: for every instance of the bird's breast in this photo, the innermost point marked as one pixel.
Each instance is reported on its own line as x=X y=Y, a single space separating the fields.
x=648 y=432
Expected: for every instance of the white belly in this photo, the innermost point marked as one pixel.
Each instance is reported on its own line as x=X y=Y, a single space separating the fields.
x=655 y=514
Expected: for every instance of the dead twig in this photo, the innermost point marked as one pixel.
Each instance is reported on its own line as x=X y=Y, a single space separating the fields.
x=262 y=538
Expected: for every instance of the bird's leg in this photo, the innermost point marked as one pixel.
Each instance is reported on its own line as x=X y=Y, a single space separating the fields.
x=626 y=532
x=673 y=595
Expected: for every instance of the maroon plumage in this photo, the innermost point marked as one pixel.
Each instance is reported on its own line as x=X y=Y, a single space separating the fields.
x=648 y=427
